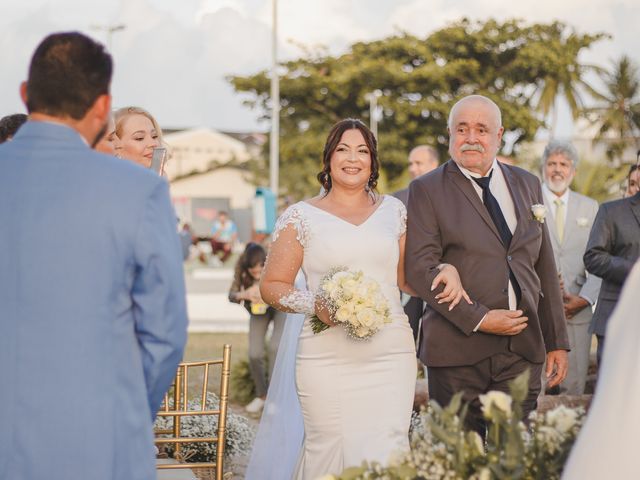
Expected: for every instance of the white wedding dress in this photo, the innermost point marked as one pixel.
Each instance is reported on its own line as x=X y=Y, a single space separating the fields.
x=606 y=446
x=356 y=396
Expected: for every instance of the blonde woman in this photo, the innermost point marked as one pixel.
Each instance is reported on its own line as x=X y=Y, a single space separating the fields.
x=139 y=134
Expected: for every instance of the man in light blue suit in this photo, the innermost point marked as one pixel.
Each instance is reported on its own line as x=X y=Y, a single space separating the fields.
x=92 y=301
x=570 y=220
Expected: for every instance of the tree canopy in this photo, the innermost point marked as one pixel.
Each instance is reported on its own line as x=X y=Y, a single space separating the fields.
x=419 y=80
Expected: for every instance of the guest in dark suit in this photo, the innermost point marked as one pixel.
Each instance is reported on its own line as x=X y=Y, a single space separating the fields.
x=422 y=159
x=486 y=219
x=613 y=248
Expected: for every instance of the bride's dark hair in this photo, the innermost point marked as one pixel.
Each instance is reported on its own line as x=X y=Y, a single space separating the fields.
x=324 y=177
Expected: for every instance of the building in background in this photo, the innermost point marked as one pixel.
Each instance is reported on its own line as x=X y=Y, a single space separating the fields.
x=208 y=172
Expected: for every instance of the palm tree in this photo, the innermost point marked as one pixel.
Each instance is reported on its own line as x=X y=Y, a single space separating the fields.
x=618 y=109
x=565 y=74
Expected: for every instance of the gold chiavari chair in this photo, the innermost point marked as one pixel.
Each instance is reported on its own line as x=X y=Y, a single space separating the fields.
x=176 y=406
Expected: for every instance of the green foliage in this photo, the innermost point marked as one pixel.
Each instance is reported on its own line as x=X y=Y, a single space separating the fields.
x=617 y=112
x=243 y=390
x=443 y=450
x=420 y=79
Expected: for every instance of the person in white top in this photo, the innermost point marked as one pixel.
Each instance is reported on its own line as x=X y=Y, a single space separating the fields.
x=570 y=221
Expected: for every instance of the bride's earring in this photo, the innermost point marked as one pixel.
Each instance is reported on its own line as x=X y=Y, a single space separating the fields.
x=327 y=182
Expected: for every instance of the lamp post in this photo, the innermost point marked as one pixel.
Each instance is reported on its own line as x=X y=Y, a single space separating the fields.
x=274 y=157
x=372 y=97
x=110 y=29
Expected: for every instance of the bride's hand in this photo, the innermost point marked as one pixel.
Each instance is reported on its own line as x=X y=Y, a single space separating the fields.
x=453 y=291
x=322 y=312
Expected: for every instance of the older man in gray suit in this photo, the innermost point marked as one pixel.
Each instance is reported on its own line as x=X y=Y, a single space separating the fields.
x=92 y=327
x=483 y=217
x=570 y=222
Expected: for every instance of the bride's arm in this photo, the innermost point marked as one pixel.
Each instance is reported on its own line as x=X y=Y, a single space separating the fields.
x=279 y=274
x=453 y=291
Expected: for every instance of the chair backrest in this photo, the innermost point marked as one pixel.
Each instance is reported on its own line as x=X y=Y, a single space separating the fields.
x=190 y=399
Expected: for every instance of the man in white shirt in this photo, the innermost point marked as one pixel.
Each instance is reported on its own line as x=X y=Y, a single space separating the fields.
x=570 y=220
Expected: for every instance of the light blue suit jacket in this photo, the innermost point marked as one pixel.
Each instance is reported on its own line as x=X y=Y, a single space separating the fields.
x=92 y=309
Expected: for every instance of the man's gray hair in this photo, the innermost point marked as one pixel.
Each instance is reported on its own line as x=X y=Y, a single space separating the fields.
x=560 y=147
x=479 y=99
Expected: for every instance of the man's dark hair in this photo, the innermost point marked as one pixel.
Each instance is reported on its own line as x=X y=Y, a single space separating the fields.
x=68 y=72
x=10 y=124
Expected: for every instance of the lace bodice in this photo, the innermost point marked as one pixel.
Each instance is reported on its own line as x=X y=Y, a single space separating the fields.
x=329 y=241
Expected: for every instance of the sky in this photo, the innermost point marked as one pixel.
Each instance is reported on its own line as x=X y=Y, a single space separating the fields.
x=173 y=56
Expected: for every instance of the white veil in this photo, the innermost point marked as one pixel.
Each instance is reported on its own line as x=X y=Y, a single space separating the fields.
x=279 y=439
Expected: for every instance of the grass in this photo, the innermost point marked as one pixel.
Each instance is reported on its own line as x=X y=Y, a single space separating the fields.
x=208 y=346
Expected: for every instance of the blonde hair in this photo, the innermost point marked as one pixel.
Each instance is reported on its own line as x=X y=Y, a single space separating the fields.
x=123 y=113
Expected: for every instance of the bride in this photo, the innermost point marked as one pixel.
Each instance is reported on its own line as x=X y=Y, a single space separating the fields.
x=355 y=395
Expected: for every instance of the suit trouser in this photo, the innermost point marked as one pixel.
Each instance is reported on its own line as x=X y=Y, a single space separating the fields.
x=493 y=373
x=580 y=343
x=414 y=310
x=258 y=325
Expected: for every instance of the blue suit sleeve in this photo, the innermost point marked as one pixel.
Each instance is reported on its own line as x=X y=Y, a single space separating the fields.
x=159 y=295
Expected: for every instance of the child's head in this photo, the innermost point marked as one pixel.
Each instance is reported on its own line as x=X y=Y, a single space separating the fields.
x=253 y=260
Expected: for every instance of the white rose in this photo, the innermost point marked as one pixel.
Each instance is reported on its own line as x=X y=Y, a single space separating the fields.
x=582 y=221
x=366 y=317
x=539 y=212
x=343 y=314
x=495 y=399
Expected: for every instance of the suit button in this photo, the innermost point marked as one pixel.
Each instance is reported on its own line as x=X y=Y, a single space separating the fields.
x=504 y=290
x=509 y=257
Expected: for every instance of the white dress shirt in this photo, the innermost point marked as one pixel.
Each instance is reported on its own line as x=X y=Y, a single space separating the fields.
x=500 y=190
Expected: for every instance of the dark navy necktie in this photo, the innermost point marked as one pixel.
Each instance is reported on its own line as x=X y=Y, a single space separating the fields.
x=493 y=207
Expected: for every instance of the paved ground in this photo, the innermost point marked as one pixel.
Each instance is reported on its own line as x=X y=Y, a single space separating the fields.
x=208 y=305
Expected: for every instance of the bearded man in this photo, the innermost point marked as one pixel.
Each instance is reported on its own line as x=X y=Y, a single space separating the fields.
x=571 y=218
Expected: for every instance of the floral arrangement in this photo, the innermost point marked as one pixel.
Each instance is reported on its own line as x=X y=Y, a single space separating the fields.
x=354 y=301
x=442 y=450
x=238 y=439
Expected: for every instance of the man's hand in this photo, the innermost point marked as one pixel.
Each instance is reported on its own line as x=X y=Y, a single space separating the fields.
x=557 y=365
x=573 y=304
x=503 y=322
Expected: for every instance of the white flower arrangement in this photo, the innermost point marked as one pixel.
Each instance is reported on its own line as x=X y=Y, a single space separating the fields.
x=354 y=302
x=442 y=450
x=539 y=212
x=238 y=439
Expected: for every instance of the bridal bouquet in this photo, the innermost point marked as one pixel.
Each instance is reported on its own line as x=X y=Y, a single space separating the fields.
x=354 y=301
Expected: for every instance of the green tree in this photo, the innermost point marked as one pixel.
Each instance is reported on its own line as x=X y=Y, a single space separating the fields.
x=420 y=79
x=617 y=112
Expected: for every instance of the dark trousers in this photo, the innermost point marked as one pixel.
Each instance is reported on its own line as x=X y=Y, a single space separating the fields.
x=493 y=373
x=600 y=350
x=223 y=247
x=414 y=310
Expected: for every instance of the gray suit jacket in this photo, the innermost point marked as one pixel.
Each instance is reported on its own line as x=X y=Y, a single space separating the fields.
x=447 y=222
x=613 y=248
x=92 y=308
x=580 y=216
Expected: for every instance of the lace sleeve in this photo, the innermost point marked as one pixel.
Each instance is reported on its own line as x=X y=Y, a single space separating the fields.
x=299 y=301
x=402 y=219
x=294 y=215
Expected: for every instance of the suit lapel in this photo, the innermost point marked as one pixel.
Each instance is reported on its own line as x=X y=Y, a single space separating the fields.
x=521 y=209
x=571 y=219
x=635 y=206
x=551 y=223
x=464 y=184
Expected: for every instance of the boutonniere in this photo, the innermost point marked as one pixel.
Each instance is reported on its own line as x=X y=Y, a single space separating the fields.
x=582 y=221
x=539 y=212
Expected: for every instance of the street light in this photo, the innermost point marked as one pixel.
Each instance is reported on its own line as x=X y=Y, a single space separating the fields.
x=372 y=97
x=274 y=157
x=110 y=29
